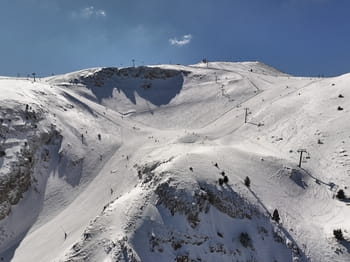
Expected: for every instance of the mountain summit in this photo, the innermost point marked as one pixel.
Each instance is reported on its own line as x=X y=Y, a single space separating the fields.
x=215 y=161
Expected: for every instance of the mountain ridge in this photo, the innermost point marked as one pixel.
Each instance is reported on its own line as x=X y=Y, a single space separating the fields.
x=131 y=141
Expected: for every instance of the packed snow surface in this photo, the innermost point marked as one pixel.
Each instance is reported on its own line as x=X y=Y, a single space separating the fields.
x=149 y=163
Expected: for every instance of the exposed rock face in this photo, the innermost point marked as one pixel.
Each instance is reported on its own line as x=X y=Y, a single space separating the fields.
x=203 y=195
x=230 y=202
x=181 y=201
x=21 y=136
x=142 y=72
x=13 y=185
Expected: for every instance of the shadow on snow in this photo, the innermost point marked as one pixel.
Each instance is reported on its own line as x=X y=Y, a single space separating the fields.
x=156 y=85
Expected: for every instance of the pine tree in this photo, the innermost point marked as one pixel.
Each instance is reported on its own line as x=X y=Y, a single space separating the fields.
x=276 y=216
x=247 y=182
x=245 y=240
x=341 y=194
x=338 y=234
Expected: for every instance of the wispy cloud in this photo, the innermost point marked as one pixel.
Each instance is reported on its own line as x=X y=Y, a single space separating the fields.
x=185 y=40
x=89 y=12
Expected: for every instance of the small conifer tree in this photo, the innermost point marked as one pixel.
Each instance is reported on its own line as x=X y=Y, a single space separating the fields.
x=341 y=194
x=245 y=240
x=247 y=182
x=338 y=234
x=276 y=216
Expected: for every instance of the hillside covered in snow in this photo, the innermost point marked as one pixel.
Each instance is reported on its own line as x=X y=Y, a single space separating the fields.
x=151 y=164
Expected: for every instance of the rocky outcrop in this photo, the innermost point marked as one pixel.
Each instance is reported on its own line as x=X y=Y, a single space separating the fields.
x=22 y=137
x=191 y=204
x=147 y=73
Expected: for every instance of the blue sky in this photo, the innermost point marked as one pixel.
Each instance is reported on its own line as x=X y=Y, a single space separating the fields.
x=301 y=37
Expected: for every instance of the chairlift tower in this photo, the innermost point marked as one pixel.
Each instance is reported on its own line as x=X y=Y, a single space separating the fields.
x=301 y=151
x=246 y=114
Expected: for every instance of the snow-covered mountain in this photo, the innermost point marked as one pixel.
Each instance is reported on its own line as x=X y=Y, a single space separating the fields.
x=149 y=163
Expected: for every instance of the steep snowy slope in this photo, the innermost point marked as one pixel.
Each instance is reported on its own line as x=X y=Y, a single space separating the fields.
x=110 y=164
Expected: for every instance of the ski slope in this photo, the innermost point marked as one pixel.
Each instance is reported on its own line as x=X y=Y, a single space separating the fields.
x=123 y=165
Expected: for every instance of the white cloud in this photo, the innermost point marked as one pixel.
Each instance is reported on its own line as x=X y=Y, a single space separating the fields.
x=89 y=12
x=185 y=40
x=101 y=13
